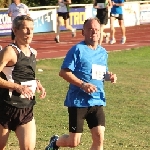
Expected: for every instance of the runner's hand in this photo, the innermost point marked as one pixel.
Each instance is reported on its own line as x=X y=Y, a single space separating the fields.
x=109 y=76
x=25 y=91
x=41 y=89
x=89 y=88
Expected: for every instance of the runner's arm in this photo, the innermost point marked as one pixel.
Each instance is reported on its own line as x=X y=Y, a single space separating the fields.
x=4 y=60
x=67 y=75
x=109 y=3
x=9 y=12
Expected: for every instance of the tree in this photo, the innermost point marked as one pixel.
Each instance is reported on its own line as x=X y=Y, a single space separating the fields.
x=33 y=3
x=3 y=3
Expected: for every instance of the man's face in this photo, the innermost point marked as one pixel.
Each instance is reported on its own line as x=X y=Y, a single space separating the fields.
x=25 y=32
x=91 y=31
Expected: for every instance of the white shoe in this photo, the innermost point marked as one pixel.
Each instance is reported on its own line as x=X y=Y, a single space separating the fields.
x=56 y=40
x=74 y=33
x=1 y=47
x=123 y=40
x=112 y=41
x=107 y=38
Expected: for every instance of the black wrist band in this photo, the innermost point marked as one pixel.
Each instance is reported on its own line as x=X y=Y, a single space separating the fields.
x=83 y=84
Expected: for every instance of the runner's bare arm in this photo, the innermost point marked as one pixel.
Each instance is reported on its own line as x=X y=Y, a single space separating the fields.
x=9 y=12
x=109 y=4
x=5 y=59
x=67 y=75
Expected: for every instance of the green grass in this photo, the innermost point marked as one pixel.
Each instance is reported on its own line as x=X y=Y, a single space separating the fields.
x=127 y=110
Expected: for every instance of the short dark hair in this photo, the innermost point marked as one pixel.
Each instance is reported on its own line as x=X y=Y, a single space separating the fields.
x=19 y=19
x=89 y=19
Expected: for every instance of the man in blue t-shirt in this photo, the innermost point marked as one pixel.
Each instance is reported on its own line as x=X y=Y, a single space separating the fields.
x=117 y=13
x=85 y=68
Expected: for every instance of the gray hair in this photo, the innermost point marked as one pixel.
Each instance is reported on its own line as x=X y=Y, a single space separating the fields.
x=90 y=19
x=19 y=19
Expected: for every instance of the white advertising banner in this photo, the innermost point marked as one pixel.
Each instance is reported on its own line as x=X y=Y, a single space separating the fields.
x=144 y=13
x=131 y=13
x=44 y=20
x=5 y=24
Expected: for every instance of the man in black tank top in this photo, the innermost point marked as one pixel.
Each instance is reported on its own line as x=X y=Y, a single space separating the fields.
x=18 y=85
x=102 y=7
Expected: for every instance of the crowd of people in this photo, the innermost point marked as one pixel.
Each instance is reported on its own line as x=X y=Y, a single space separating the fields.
x=104 y=7
x=85 y=67
x=113 y=10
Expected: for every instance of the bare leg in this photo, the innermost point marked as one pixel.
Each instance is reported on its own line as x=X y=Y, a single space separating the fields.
x=4 y=134
x=69 y=27
x=71 y=140
x=123 y=30
x=101 y=34
x=58 y=29
x=26 y=135
x=122 y=27
x=112 y=30
x=98 y=137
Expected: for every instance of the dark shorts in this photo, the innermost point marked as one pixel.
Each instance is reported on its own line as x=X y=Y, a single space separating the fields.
x=102 y=15
x=93 y=115
x=117 y=16
x=12 y=117
x=12 y=35
x=65 y=15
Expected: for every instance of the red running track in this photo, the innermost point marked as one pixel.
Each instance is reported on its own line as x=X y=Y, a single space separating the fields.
x=44 y=43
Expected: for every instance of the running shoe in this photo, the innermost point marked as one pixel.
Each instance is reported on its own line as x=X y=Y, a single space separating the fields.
x=123 y=40
x=107 y=39
x=112 y=41
x=52 y=143
x=1 y=47
x=74 y=33
x=57 y=40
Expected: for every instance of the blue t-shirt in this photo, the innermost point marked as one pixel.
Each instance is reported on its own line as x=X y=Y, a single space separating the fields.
x=117 y=9
x=89 y=66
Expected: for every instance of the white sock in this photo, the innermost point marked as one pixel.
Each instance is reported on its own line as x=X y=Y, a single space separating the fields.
x=73 y=30
x=57 y=36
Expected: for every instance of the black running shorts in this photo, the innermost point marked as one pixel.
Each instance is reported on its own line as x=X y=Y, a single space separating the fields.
x=11 y=117
x=65 y=15
x=12 y=35
x=117 y=16
x=102 y=15
x=93 y=115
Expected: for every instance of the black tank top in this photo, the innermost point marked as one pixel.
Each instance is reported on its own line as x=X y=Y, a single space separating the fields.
x=22 y=71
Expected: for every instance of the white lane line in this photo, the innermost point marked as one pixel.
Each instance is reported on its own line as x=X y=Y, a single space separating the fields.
x=132 y=45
